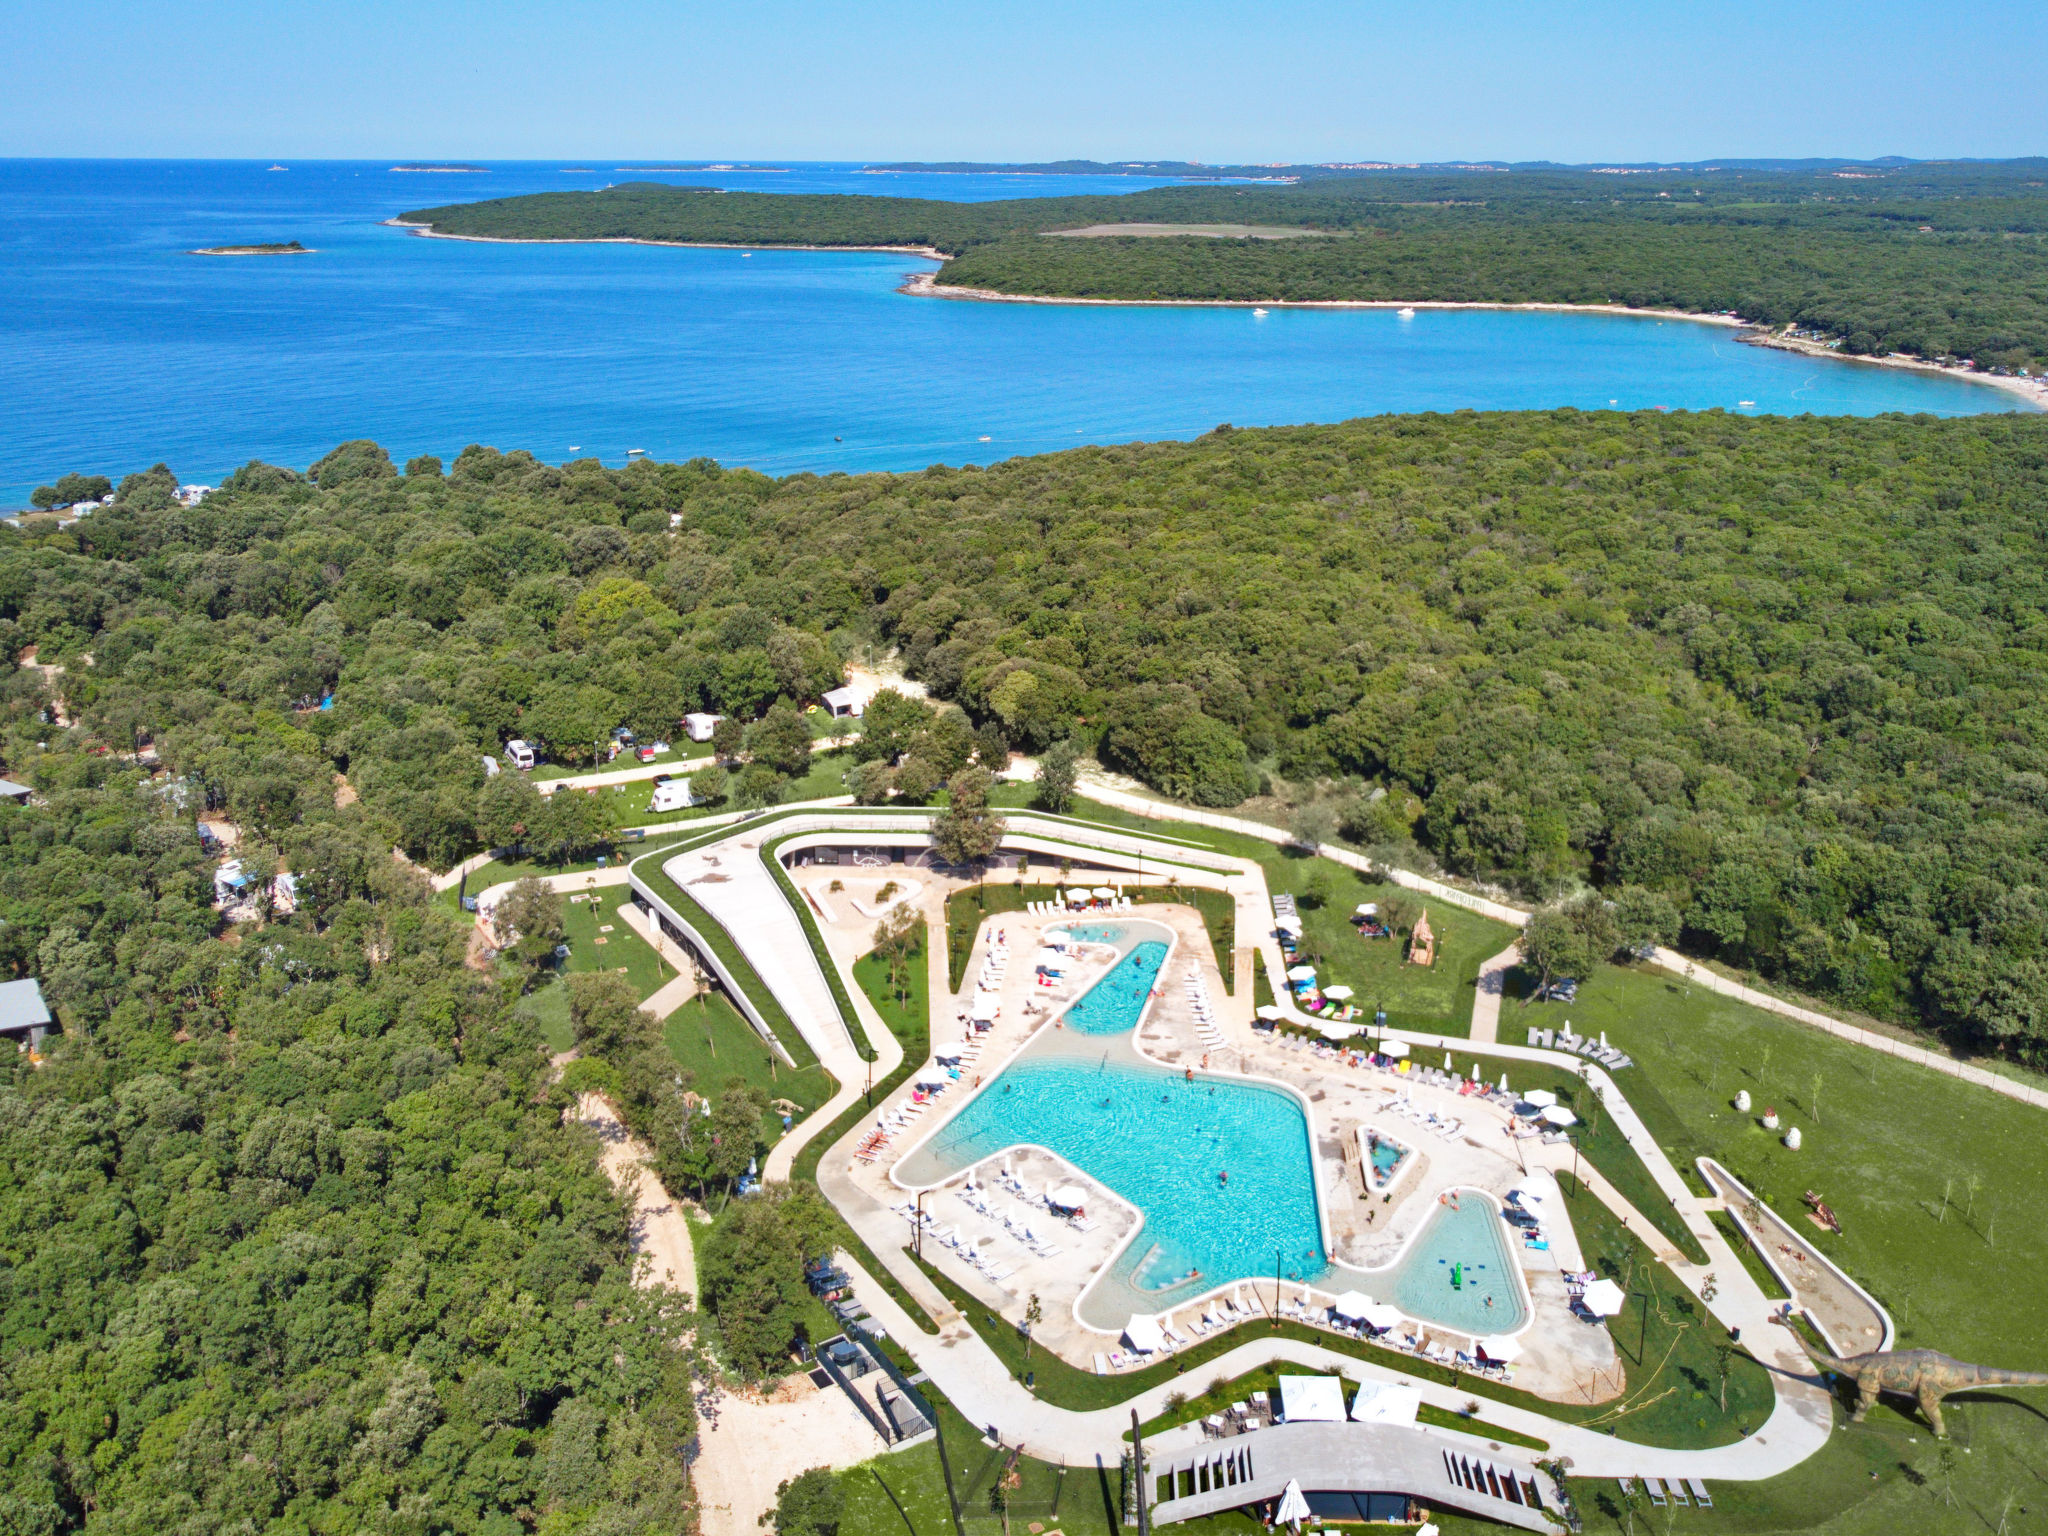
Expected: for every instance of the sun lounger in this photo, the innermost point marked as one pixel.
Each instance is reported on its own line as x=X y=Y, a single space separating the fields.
x=1699 y=1493
x=1656 y=1491
x=1676 y=1490
x=1102 y=1365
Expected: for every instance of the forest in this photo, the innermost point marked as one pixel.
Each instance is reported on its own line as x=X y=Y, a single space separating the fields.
x=1786 y=673
x=1935 y=260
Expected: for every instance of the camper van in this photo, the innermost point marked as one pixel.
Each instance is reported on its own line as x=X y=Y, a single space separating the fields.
x=671 y=795
x=522 y=755
x=701 y=726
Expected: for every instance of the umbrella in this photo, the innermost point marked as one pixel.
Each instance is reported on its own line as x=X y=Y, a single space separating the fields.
x=1351 y=1304
x=1341 y=993
x=1475 y=1071
x=1503 y=1082
x=1447 y=1062
x=1542 y=1098
x=1558 y=1115
x=1393 y=1047
x=1105 y=893
x=1143 y=1334
x=1293 y=1505
x=1382 y=1316
x=1302 y=973
x=1270 y=1011
x=1603 y=1298
x=1368 y=909
x=1498 y=1348
x=1069 y=1197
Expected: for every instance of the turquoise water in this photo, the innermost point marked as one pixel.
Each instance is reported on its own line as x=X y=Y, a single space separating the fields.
x=1470 y=1238
x=118 y=349
x=1162 y=1143
x=1113 y=1004
x=1384 y=1156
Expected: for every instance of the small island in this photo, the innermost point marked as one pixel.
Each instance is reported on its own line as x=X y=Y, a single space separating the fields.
x=266 y=248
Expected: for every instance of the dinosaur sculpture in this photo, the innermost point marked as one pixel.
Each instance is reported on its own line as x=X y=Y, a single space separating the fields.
x=1924 y=1374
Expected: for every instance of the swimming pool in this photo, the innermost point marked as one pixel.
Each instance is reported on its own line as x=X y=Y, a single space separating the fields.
x=1458 y=1272
x=1112 y=1006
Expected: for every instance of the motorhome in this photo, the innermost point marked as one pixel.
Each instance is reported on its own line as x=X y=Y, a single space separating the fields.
x=523 y=756
x=671 y=795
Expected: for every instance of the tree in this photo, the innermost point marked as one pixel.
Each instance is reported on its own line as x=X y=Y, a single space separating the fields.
x=604 y=1013
x=916 y=780
x=707 y=785
x=727 y=737
x=736 y=1129
x=966 y=830
x=71 y=489
x=508 y=809
x=888 y=726
x=1568 y=940
x=1057 y=773
x=1034 y=1313
x=1644 y=917
x=869 y=782
x=751 y=1271
x=756 y=785
x=782 y=741
x=1315 y=823
x=809 y=1504
x=528 y=923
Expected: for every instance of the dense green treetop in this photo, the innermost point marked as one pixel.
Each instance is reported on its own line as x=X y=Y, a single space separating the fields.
x=1786 y=674
x=1938 y=260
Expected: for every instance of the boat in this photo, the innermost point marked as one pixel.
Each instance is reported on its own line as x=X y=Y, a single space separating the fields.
x=280 y=167
x=631 y=451
x=1407 y=314
x=1745 y=402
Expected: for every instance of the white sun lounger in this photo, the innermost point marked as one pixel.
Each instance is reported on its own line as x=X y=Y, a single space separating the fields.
x=1699 y=1493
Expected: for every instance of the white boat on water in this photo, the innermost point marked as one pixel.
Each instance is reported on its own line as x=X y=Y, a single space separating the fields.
x=1407 y=314
x=1258 y=314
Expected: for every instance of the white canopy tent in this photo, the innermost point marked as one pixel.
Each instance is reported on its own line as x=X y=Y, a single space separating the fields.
x=1142 y=1334
x=1381 y=1402
x=1603 y=1298
x=1312 y=1399
x=1351 y=1305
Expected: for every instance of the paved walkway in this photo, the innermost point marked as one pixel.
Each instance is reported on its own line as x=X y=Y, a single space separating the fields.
x=1493 y=978
x=1099 y=787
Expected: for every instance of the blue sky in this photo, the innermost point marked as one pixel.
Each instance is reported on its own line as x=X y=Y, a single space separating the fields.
x=850 y=79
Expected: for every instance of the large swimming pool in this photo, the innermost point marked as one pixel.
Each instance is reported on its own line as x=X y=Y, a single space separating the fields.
x=1220 y=1168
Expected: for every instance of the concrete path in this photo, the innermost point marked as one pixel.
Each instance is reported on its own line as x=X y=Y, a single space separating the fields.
x=1493 y=978
x=671 y=995
x=1099 y=787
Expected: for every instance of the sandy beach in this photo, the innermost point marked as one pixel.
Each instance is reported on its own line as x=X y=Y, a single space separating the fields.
x=2033 y=391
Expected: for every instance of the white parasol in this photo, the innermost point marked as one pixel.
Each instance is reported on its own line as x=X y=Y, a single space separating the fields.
x=1558 y=1115
x=1603 y=1298
x=1542 y=1098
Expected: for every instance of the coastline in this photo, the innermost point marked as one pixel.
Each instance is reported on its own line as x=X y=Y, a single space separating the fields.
x=253 y=250
x=428 y=232
x=926 y=285
x=2033 y=391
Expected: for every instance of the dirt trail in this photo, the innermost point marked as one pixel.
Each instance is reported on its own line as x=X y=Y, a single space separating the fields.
x=661 y=1226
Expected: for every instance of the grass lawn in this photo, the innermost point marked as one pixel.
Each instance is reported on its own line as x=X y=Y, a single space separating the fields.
x=709 y=1038
x=965 y=910
x=591 y=949
x=901 y=995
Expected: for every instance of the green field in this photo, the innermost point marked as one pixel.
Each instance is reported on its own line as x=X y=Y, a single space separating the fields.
x=709 y=1038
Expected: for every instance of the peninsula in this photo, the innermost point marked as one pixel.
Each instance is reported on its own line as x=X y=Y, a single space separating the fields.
x=1942 y=262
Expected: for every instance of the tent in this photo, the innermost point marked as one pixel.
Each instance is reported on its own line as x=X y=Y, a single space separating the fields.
x=1142 y=1334
x=1393 y=1047
x=1351 y=1305
x=1498 y=1348
x=1542 y=1098
x=1293 y=1507
x=1558 y=1115
x=1380 y=1402
x=1380 y=1316
x=1338 y=993
x=1603 y=1298
x=1312 y=1399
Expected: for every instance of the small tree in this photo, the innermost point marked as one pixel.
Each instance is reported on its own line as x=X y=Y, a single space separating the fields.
x=707 y=785
x=1057 y=775
x=528 y=923
x=1724 y=1365
x=1034 y=1313
x=1315 y=823
x=809 y=1504
x=967 y=831
x=727 y=736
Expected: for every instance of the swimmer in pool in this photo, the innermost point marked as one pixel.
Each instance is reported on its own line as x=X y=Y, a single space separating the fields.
x=1223 y=1177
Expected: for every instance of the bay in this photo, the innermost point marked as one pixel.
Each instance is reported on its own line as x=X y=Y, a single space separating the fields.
x=118 y=348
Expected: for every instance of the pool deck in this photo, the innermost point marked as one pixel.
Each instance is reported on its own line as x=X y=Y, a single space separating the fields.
x=1566 y=1359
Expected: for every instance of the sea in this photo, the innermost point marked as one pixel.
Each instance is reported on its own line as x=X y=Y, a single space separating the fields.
x=119 y=348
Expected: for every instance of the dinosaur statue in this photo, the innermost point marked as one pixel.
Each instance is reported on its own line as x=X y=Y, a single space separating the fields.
x=1925 y=1374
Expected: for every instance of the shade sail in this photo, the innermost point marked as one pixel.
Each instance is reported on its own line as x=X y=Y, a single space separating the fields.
x=1142 y=1334
x=1380 y=1402
x=1351 y=1304
x=1604 y=1298
x=1312 y=1399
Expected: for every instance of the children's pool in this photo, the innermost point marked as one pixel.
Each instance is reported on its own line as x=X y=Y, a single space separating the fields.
x=1458 y=1272
x=1113 y=1004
